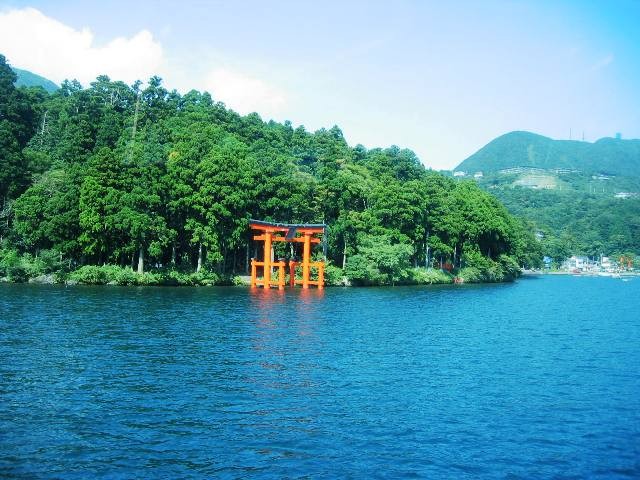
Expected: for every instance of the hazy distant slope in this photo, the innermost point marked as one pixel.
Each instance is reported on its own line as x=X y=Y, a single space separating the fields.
x=525 y=149
x=29 y=79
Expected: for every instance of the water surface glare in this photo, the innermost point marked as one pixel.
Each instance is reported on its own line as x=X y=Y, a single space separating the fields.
x=536 y=379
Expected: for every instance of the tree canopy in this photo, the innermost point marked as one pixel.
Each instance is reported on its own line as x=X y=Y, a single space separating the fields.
x=146 y=177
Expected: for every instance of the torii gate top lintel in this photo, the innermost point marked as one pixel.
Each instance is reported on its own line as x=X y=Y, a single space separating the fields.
x=281 y=227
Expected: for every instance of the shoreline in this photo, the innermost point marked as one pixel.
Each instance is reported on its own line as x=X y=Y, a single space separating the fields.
x=210 y=279
x=583 y=274
x=241 y=281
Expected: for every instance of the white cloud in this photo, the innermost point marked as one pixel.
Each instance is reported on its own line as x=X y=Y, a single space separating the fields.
x=244 y=93
x=45 y=46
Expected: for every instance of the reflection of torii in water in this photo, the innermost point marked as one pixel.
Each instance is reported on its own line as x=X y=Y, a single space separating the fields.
x=304 y=233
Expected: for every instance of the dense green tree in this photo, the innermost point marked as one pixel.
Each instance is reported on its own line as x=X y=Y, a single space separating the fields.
x=101 y=199
x=379 y=261
x=143 y=177
x=17 y=125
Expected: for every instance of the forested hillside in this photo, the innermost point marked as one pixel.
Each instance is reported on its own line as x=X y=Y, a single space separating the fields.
x=583 y=198
x=575 y=222
x=162 y=182
x=524 y=149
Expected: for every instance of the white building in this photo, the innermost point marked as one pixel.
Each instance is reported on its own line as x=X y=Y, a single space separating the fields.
x=577 y=262
x=626 y=195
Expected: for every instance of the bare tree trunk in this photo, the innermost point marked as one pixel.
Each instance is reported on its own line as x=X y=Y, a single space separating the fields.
x=44 y=126
x=233 y=265
x=426 y=250
x=173 y=254
x=224 y=260
x=199 y=257
x=426 y=255
x=246 y=260
x=141 y=260
x=344 y=254
x=455 y=254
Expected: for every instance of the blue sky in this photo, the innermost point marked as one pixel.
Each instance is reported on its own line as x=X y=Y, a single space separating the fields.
x=441 y=78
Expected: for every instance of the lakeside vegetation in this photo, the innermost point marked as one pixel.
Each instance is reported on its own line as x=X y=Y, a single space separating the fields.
x=129 y=185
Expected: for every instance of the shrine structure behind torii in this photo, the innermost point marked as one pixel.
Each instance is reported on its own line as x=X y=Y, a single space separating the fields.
x=305 y=233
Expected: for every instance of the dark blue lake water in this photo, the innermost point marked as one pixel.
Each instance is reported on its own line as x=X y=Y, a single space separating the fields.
x=536 y=379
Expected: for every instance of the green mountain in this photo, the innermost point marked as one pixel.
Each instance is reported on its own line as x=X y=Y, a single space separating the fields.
x=582 y=198
x=29 y=79
x=610 y=156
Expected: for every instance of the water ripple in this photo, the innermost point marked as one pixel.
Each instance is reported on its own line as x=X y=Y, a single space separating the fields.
x=537 y=379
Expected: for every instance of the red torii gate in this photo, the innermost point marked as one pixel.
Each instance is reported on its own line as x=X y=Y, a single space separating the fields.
x=287 y=232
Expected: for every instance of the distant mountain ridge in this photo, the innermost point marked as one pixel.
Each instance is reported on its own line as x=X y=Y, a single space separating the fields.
x=609 y=156
x=30 y=79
